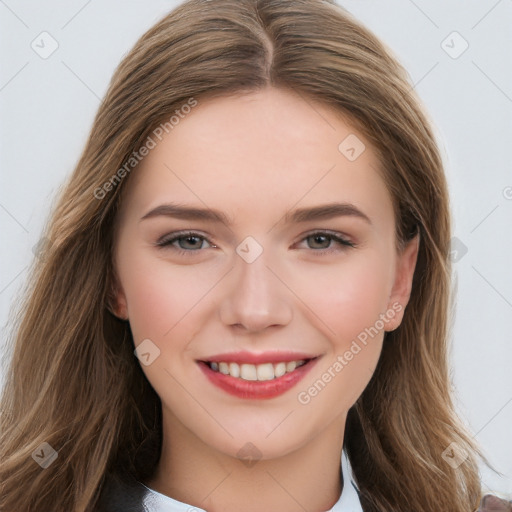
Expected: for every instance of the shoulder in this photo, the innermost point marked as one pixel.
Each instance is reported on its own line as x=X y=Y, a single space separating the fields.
x=491 y=503
x=121 y=494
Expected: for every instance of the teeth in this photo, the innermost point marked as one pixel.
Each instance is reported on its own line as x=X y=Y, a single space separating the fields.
x=279 y=369
x=234 y=370
x=265 y=371
x=248 y=372
x=290 y=366
x=261 y=372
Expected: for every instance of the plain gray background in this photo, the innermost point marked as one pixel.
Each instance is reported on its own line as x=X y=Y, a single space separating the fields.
x=48 y=104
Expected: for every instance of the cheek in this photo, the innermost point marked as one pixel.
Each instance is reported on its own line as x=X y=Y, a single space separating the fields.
x=164 y=305
x=348 y=304
x=161 y=296
x=347 y=298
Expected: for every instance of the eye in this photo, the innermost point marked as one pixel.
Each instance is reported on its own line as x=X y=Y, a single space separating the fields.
x=321 y=241
x=190 y=242
x=183 y=242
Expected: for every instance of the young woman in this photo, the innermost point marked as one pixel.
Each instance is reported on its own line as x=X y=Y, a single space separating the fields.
x=245 y=281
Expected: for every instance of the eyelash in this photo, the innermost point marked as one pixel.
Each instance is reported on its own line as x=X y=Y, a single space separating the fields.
x=167 y=241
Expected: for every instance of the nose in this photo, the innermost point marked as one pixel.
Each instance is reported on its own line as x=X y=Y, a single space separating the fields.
x=255 y=298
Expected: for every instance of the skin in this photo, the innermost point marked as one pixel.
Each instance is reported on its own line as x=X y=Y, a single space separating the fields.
x=256 y=157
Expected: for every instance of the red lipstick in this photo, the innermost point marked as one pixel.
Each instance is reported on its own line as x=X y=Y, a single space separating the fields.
x=255 y=389
x=259 y=358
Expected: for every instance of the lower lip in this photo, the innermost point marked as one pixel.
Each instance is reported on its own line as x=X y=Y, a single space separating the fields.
x=254 y=389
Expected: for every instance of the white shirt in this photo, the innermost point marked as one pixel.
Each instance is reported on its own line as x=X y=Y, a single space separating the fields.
x=348 y=501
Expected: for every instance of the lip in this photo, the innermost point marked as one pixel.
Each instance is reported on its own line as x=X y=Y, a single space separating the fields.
x=253 y=389
x=259 y=358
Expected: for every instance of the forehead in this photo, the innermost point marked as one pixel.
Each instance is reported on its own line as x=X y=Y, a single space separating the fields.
x=260 y=152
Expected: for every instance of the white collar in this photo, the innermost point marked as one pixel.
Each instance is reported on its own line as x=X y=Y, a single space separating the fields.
x=349 y=499
x=347 y=502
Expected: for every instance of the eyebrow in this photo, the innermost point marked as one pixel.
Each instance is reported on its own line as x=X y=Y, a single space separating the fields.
x=325 y=211
x=300 y=215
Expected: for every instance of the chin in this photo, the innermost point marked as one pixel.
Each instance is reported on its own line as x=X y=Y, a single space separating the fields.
x=254 y=443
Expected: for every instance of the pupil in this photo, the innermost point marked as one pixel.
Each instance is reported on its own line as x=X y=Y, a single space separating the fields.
x=191 y=239
x=321 y=238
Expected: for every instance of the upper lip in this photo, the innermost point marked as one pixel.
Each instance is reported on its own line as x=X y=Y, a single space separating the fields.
x=258 y=358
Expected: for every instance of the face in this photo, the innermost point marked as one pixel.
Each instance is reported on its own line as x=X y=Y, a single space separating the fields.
x=255 y=234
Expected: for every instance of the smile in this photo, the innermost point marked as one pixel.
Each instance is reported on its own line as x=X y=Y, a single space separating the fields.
x=260 y=372
x=262 y=378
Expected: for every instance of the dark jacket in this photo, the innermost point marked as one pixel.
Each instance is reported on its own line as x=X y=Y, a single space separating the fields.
x=121 y=495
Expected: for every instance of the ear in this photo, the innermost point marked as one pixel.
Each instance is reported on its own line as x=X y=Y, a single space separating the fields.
x=402 y=286
x=117 y=303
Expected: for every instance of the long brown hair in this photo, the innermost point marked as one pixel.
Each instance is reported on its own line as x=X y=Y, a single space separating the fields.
x=74 y=381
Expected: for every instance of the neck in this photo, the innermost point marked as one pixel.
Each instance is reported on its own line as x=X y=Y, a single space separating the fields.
x=307 y=478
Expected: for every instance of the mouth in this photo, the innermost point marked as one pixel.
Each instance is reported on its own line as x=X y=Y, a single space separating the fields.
x=259 y=372
x=266 y=379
